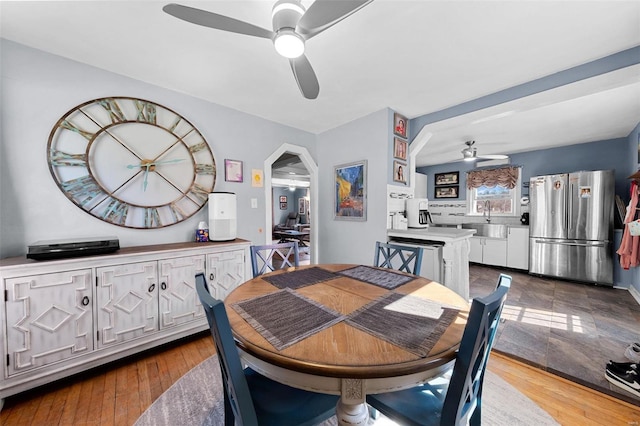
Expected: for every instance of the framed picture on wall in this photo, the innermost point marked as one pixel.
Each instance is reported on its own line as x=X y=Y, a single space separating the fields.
x=447 y=191
x=233 y=170
x=400 y=125
x=302 y=207
x=283 y=198
x=449 y=178
x=400 y=149
x=399 y=172
x=283 y=206
x=350 y=200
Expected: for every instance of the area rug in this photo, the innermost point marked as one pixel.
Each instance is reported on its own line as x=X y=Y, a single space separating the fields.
x=196 y=399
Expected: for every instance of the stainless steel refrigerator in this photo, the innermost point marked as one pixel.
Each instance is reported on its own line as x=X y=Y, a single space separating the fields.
x=571 y=226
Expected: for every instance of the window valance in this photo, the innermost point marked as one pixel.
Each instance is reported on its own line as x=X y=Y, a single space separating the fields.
x=506 y=177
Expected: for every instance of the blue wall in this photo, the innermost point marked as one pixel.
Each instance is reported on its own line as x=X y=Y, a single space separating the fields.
x=604 y=155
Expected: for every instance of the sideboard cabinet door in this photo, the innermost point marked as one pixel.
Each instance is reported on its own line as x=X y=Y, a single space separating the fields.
x=179 y=302
x=49 y=319
x=127 y=298
x=226 y=271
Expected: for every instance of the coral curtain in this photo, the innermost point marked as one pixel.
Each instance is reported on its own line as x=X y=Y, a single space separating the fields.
x=629 y=249
x=506 y=177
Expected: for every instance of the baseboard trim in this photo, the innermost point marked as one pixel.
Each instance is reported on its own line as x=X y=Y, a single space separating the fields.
x=635 y=293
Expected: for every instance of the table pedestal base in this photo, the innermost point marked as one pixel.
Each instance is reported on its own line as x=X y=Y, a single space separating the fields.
x=352 y=409
x=352 y=414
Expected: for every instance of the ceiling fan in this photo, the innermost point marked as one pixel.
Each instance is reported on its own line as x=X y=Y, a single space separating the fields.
x=470 y=153
x=292 y=26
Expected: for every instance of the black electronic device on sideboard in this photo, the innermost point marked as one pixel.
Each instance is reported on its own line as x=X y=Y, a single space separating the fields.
x=58 y=249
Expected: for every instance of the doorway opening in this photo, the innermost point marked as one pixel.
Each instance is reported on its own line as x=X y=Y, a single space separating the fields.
x=291 y=177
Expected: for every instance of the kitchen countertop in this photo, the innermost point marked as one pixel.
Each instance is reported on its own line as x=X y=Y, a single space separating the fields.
x=445 y=235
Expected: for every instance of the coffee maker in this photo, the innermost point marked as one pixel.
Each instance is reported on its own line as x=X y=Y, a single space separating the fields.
x=418 y=213
x=524 y=219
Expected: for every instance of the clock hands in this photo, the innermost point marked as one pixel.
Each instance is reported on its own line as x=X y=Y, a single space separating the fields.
x=147 y=163
x=146 y=175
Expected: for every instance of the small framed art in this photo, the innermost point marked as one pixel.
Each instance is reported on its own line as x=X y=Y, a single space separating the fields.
x=399 y=172
x=233 y=170
x=400 y=149
x=447 y=191
x=449 y=178
x=400 y=125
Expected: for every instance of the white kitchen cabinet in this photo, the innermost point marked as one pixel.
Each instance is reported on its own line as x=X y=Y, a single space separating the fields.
x=488 y=251
x=518 y=247
x=61 y=317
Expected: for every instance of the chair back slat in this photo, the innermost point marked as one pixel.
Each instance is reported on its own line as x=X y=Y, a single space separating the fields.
x=399 y=257
x=263 y=261
x=237 y=397
x=464 y=397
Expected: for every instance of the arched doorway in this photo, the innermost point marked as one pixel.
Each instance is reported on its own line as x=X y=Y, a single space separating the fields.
x=312 y=167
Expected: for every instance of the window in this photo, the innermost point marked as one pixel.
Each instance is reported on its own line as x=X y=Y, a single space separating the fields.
x=494 y=190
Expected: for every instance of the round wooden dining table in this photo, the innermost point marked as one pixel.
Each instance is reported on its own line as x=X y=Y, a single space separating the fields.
x=348 y=330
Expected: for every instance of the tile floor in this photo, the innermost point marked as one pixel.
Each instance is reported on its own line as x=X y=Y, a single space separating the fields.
x=566 y=328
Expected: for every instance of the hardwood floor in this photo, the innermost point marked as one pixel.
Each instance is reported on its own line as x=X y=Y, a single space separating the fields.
x=117 y=394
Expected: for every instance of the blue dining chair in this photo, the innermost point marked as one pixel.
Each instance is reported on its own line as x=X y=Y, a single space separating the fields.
x=458 y=402
x=263 y=261
x=398 y=257
x=251 y=399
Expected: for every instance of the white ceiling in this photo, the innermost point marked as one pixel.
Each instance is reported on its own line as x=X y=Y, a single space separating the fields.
x=414 y=57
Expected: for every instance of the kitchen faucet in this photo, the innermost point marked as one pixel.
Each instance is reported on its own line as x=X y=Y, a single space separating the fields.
x=486 y=213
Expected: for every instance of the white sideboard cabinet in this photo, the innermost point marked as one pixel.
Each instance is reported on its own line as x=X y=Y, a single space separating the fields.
x=61 y=317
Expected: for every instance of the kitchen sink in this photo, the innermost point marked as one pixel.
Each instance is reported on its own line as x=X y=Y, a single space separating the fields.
x=490 y=230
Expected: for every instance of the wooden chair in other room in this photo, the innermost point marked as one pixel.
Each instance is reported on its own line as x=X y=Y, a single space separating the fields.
x=251 y=399
x=458 y=401
x=267 y=258
x=398 y=257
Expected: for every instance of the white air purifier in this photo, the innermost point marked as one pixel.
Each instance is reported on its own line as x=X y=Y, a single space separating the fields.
x=222 y=216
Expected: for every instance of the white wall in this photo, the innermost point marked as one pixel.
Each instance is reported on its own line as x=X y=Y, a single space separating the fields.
x=38 y=88
x=367 y=138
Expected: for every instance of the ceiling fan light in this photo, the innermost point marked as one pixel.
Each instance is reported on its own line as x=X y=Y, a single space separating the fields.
x=287 y=5
x=288 y=43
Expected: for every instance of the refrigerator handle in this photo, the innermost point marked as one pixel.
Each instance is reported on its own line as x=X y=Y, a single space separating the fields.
x=571 y=243
x=570 y=209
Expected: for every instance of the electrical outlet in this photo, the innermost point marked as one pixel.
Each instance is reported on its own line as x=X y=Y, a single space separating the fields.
x=254 y=203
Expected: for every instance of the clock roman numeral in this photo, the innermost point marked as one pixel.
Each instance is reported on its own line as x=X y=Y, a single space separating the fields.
x=115 y=113
x=60 y=158
x=199 y=192
x=115 y=212
x=152 y=218
x=83 y=189
x=66 y=124
x=146 y=112
x=205 y=169
x=198 y=147
x=177 y=213
x=175 y=124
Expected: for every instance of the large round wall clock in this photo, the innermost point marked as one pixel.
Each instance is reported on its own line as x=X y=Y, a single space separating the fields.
x=131 y=162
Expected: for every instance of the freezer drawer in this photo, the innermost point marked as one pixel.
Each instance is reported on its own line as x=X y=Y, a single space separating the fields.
x=587 y=261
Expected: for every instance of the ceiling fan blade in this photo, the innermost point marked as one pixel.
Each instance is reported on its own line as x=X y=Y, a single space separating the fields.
x=494 y=157
x=305 y=77
x=213 y=20
x=323 y=14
